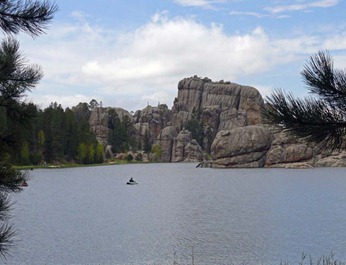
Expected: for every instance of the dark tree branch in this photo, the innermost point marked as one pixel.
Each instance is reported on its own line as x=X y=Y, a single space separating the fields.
x=314 y=120
x=322 y=79
x=31 y=17
x=321 y=120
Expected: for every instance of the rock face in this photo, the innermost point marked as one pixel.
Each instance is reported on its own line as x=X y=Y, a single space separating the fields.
x=208 y=98
x=287 y=150
x=165 y=140
x=179 y=147
x=241 y=147
x=186 y=149
x=98 y=122
x=336 y=159
x=149 y=122
x=218 y=105
x=227 y=115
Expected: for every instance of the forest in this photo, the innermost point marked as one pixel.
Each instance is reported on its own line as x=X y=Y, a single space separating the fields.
x=56 y=136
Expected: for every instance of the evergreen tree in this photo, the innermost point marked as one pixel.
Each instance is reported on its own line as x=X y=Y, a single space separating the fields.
x=320 y=119
x=15 y=80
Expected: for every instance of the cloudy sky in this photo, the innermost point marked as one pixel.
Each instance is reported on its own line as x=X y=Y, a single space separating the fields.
x=130 y=53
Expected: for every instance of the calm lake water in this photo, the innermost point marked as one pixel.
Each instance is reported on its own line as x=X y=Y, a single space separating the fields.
x=178 y=212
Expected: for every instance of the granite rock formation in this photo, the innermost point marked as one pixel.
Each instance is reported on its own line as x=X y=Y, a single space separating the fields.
x=287 y=149
x=230 y=117
x=178 y=147
x=98 y=122
x=207 y=97
x=217 y=105
x=186 y=149
x=241 y=147
x=165 y=140
x=149 y=122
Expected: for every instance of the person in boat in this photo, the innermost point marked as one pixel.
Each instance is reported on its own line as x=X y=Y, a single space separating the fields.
x=131 y=180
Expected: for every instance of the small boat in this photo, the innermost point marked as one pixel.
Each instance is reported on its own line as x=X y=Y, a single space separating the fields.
x=131 y=183
x=24 y=184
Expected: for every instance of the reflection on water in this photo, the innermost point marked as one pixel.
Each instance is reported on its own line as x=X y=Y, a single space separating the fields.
x=252 y=216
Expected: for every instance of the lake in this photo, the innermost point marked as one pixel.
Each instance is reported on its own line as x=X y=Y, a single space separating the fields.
x=179 y=214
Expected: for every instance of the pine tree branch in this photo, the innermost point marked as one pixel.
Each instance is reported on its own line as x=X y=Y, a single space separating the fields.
x=314 y=120
x=29 y=17
x=10 y=179
x=5 y=207
x=322 y=79
x=6 y=239
x=15 y=77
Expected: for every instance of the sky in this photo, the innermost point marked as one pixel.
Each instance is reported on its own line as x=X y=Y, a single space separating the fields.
x=131 y=53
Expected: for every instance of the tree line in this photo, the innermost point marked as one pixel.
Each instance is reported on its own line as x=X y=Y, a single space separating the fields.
x=57 y=135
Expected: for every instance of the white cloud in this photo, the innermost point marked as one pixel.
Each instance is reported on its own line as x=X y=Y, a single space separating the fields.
x=337 y=42
x=66 y=101
x=158 y=55
x=131 y=69
x=199 y=3
x=264 y=90
x=302 y=6
x=251 y=14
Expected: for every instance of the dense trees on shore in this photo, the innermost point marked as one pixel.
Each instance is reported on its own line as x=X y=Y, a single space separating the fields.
x=55 y=135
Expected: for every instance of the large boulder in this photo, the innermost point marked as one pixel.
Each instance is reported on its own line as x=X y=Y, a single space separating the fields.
x=241 y=147
x=335 y=159
x=287 y=150
x=186 y=149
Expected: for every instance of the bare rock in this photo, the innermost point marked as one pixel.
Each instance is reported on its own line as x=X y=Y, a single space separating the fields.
x=98 y=122
x=337 y=159
x=287 y=149
x=217 y=105
x=186 y=149
x=149 y=122
x=241 y=147
x=165 y=141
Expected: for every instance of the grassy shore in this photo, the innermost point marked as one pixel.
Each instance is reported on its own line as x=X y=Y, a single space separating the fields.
x=70 y=165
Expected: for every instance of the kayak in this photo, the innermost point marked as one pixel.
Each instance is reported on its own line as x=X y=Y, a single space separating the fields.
x=131 y=183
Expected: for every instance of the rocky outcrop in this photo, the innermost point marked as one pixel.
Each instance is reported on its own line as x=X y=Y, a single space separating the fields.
x=165 y=141
x=186 y=149
x=228 y=117
x=232 y=118
x=216 y=105
x=335 y=159
x=207 y=98
x=241 y=147
x=287 y=149
x=98 y=122
x=180 y=147
x=149 y=122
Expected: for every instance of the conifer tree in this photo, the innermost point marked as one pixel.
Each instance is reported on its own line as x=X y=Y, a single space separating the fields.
x=31 y=17
x=320 y=118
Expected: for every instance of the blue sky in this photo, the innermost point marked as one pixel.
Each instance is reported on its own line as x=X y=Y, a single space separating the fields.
x=128 y=53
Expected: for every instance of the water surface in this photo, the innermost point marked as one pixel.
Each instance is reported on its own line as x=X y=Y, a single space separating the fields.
x=218 y=216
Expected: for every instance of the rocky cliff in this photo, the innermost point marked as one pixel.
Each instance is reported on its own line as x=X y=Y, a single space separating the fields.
x=99 y=122
x=216 y=105
x=227 y=118
x=149 y=122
